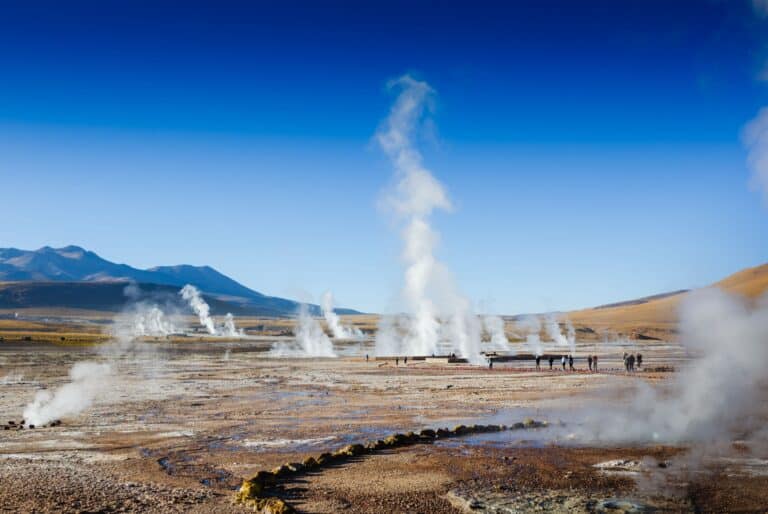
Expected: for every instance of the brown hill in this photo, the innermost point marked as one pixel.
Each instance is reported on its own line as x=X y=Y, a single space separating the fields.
x=656 y=316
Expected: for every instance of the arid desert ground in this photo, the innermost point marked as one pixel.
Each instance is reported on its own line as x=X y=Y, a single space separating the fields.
x=178 y=427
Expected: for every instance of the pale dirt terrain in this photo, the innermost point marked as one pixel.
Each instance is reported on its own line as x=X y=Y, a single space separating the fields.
x=179 y=425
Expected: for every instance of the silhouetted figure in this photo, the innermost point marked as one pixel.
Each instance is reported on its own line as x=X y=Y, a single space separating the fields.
x=538 y=362
x=397 y=361
x=562 y=361
x=551 y=361
x=639 y=361
x=570 y=362
x=490 y=363
x=589 y=362
x=405 y=360
x=366 y=357
x=631 y=362
x=626 y=361
x=594 y=362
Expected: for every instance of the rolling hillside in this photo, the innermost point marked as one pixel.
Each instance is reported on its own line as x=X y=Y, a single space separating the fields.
x=656 y=316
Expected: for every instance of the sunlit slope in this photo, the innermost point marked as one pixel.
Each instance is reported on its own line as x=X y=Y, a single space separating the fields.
x=657 y=317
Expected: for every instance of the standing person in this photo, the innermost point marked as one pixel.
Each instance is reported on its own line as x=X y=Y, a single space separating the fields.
x=551 y=361
x=570 y=362
x=594 y=362
x=397 y=361
x=631 y=362
x=562 y=361
x=626 y=362
x=639 y=361
x=538 y=362
x=405 y=360
x=490 y=363
x=589 y=362
x=366 y=357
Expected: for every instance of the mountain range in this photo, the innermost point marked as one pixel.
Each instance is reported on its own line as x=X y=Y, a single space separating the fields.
x=73 y=277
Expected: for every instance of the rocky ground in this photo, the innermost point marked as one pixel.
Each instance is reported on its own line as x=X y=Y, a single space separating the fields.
x=177 y=426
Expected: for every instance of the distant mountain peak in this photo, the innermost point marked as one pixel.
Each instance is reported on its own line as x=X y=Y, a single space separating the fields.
x=73 y=263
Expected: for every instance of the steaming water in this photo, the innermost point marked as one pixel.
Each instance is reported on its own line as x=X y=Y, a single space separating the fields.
x=192 y=295
x=334 y=323
x=429 y=291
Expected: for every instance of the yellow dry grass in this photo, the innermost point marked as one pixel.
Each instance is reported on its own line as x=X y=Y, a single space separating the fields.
x=658 y=318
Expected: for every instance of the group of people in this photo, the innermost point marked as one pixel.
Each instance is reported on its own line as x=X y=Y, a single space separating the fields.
x=566 y=361
x=630 y=360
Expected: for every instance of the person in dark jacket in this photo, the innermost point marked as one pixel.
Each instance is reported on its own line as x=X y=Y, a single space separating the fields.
x=589 y=362
x=538 y=362
x=551 y=361
x=570 y=362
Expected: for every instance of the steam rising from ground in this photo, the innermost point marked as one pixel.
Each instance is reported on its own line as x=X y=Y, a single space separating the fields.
x=494 y=326
x=531 y=326
x=429 y=291
x=338 y=330
x=147 y=320
x=714 y=398
x=311 y=340
x=87 y=380
x=228 y=328
x=90 y=379
x=553 y=331
x=192 y=295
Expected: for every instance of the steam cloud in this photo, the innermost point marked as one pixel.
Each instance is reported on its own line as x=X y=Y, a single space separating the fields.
x=334 y=323
x=715 y=397
x=531 y=325
x=228 y=328
x=192 y=295
x=429 y=291
x=554 y=333
x=756 y=139
x=310 y=341
x=311 y=337
x=494 y=325
x=761 y=7
x=87 y=380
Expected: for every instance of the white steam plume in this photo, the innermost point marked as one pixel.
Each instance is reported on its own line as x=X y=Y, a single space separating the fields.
x=494 y=325
x=756 y=140
x=553 y=331
x=715 y=398
x=429 y=291
x=192 y=295
x=228 y=328
x=144 y=319
x=531 y=326
x=761 y=7
x=87 y=381
x=334 y=323
x=90 y=380
x=310 y=341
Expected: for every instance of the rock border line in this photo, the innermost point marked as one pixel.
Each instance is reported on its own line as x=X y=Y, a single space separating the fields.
x=252 y=491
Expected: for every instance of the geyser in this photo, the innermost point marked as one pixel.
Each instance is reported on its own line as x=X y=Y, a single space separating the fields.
x=311 y=337
x=531 y=326
x=228 y=328
x=195 y=300
x=712 y=399
x=338 y=330
x=87 y=380
x=310 y=341
x=494 y=326
x=429 y=290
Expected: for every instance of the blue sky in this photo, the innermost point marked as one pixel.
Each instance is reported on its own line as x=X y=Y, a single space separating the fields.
x=592 y=149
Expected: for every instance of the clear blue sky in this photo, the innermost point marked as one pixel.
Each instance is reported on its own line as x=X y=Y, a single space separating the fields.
x=592 y=149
